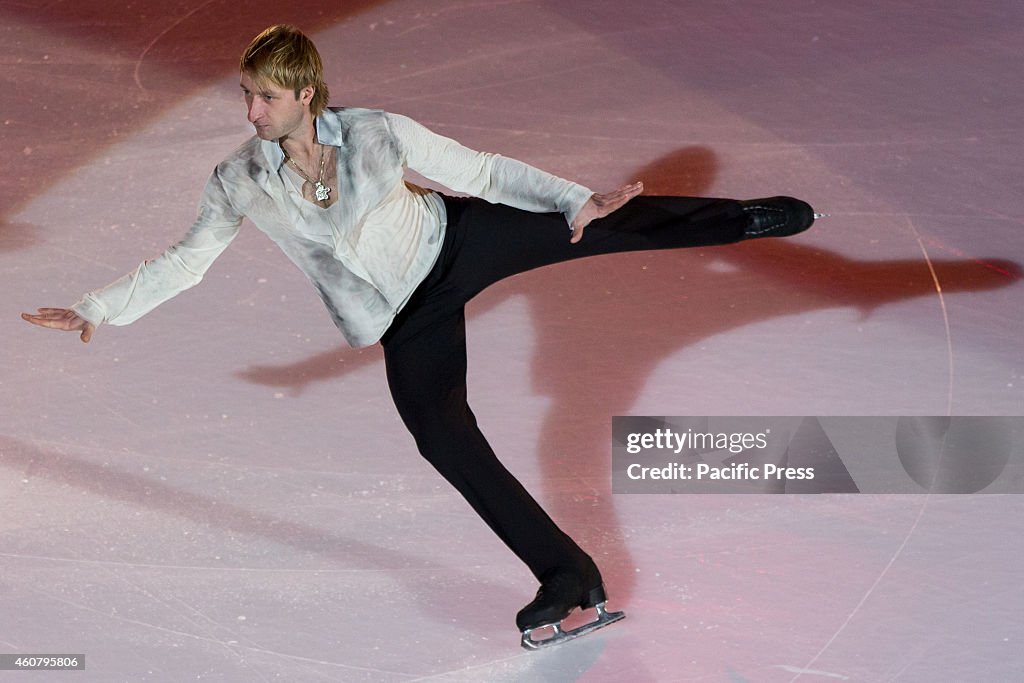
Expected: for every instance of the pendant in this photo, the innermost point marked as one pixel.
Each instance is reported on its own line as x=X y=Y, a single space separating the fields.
x=322 y=192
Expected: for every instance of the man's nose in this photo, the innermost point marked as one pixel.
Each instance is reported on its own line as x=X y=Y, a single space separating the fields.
x=254 y=110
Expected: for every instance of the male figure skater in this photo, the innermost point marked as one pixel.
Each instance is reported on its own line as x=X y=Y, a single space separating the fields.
x=396 y=263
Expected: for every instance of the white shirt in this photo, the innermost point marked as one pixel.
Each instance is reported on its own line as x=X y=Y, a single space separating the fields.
x=364 y=255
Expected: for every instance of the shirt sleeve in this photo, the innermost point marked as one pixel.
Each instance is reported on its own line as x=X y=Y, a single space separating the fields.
x=180 y=267
x=490 y=176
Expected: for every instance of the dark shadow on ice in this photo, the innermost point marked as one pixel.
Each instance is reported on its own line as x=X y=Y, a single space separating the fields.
x=631 y=312
x=865 y=285
x=323 y=367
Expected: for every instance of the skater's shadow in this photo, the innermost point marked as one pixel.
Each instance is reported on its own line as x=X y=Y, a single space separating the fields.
x=598 y=345
x=325 y=366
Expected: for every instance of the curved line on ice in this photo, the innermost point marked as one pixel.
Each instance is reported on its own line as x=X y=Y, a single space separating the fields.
x=172 y=26
x=945 y=316
x=920 y=513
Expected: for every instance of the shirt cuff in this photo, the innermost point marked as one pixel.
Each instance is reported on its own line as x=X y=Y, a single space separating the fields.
x=90 y=310
x=575 y=200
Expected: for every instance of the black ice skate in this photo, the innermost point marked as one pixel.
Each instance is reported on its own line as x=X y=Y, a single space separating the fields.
x=777 y=217
x=559 y=594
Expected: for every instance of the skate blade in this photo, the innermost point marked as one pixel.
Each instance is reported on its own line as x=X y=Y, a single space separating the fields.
x=603 y=619
x=822 y=215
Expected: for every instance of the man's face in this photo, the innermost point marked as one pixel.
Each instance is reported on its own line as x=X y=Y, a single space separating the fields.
x=274 y=112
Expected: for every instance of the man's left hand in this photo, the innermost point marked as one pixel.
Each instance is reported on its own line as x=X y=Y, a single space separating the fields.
x=600 y=205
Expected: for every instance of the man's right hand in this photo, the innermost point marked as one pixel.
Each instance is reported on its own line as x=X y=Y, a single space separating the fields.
x=600 y=205
x=61 y=319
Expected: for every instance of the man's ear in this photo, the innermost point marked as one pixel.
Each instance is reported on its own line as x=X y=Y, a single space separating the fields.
x=306 y=94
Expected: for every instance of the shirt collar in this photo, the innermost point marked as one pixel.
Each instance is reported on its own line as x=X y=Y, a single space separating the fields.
x=328 y=128
x=328 y=132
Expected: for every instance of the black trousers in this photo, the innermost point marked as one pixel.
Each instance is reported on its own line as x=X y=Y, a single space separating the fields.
x=425 y=347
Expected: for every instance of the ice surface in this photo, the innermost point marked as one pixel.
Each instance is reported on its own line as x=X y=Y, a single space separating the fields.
x=223 y=492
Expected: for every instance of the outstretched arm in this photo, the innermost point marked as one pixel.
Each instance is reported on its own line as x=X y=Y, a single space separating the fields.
x=504 y=180
x=61 y=319
x=155 y=281
x=493 y=177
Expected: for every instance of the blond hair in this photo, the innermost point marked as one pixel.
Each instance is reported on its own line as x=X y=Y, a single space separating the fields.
x=286 y=57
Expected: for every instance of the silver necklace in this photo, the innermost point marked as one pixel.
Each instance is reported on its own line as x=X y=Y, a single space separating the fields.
x=322 y=191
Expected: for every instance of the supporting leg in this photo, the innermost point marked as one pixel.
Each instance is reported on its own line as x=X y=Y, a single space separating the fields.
x=425 y=359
